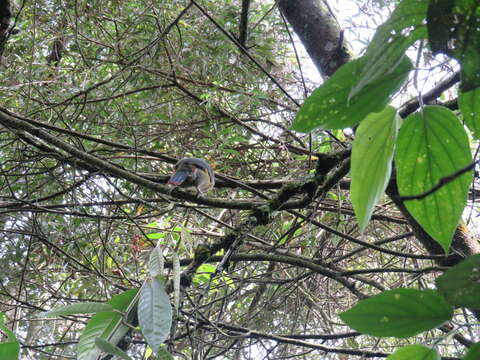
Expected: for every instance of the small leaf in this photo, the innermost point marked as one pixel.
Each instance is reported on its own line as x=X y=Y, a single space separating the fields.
x=469 y=103
x=432 y=144
x=111 y=349
x=156 y=236
x=372 y=154
x=203 y=274
x=154 y=313
x=391 y=40
x=328 y=107
x=415 y=352
x=105 y=325
x=400 y=313
x=460 y=285
x=80 y=308
x=156 y=262
x=473 y=353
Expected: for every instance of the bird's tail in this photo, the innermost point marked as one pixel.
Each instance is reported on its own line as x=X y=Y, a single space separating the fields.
x=179 y=177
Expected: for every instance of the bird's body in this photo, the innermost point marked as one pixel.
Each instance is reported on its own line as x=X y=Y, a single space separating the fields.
x=193 y=172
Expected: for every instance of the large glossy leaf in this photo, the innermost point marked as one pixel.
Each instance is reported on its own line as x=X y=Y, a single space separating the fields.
x=154 y=313
x=80 y=308
x=372 y=154
x=391 y=40
x=469 y=103
x=432 y=144
x=399 y=313
x=328 y=107
x=415 y=352
x=460 y=285
x=106 y=325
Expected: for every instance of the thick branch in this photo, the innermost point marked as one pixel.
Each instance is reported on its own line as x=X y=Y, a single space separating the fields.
x=243 y=27
x=319 y=32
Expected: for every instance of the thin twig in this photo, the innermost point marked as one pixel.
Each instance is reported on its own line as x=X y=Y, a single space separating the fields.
x=442 y=182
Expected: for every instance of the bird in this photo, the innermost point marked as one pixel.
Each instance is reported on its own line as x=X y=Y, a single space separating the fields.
x=191 y=171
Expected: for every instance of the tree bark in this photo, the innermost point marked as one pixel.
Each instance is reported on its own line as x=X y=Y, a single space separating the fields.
x=319 y=31
x=5 y=15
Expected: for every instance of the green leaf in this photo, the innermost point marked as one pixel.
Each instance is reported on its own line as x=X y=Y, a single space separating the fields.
x=156 y=261
x=328 y=107
x=415 y=352
x=97 y=326
x=80 y=308
x=156 y=236
x=124 y=302
x=391 y=40
x=432 y=144
x=10 y=335
x=439 y=24
x=454 y=30
x=9 y=350
x=111 y=349
x=460 y=285
x=400 y=313
x=106 y=325
x=154 y=313
x=203 y=274
x=469 y=56
x=473 y=353
x=372 y=154
x=469 y=103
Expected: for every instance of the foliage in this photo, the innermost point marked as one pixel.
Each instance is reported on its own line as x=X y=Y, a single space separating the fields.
x=432 y=145
x=399 y=312
x=414 y=352
x=100 y=99
x=330 y=106
x=433 y=160
x=372 y=153
x=460 y=284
